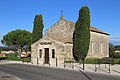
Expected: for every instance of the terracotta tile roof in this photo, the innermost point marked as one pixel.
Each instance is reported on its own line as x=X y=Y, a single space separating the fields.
x=72 y=24
x=98 y=31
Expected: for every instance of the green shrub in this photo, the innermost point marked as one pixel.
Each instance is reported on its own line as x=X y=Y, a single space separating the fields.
x=13 y=58
x=87 y=61
x=117 y=61
x=90 y=60
x=3 y=58
x=27 y=59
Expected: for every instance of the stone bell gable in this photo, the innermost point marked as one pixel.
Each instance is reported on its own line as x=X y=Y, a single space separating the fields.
x=58 y=43
x=61 y=31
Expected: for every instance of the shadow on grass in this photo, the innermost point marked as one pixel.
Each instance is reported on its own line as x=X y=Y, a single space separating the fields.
x=103 y=69
x=91 y=68
x=116 y=71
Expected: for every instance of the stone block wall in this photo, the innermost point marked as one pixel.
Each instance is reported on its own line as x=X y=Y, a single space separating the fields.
x=99 y=46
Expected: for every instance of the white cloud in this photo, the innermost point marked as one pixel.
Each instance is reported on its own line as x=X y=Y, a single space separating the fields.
x=115 y=41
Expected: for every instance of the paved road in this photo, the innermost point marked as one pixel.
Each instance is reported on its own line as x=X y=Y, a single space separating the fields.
x=30 y=72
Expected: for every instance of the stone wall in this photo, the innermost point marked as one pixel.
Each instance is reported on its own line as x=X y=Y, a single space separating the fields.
x=62 y=51
x=61 y=31
x=34 y=49
x=99 y=46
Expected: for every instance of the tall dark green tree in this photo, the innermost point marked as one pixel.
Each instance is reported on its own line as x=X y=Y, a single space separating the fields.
x=37 y=28
x=81 y=35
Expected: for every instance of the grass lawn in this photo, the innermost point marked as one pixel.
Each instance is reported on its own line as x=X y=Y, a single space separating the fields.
x=92 y=61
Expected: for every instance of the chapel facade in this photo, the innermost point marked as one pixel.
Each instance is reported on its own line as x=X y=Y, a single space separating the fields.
x=57 y=44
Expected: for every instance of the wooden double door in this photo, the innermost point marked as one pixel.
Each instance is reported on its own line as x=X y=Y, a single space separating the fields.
x=46 y=56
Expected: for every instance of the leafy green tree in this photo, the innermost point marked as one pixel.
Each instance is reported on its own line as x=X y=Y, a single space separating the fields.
x=38 y=28
x=0 y=50
x=111 y=50
x=18 y=39
x=117 y=47
x=81 y=35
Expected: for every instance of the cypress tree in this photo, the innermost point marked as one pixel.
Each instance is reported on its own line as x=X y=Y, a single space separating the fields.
x=37 y=28
x=81 y=35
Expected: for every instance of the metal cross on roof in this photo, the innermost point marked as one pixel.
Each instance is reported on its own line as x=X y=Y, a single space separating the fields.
x=61 y=12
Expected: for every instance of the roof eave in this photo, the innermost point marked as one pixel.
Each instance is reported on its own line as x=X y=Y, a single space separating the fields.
x=100 y=32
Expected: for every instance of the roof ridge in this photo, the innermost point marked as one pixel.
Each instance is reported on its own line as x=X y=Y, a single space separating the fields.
x=91 y=28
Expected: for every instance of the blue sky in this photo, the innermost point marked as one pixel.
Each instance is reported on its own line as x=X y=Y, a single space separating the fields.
x=19 y=14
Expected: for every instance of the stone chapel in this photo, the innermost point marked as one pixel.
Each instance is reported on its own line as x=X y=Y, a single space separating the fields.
x=57 y=43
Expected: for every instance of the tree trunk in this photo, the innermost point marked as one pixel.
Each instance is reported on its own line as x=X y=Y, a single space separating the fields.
x=19 y=53
x=83 y=65
x=0 y=50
